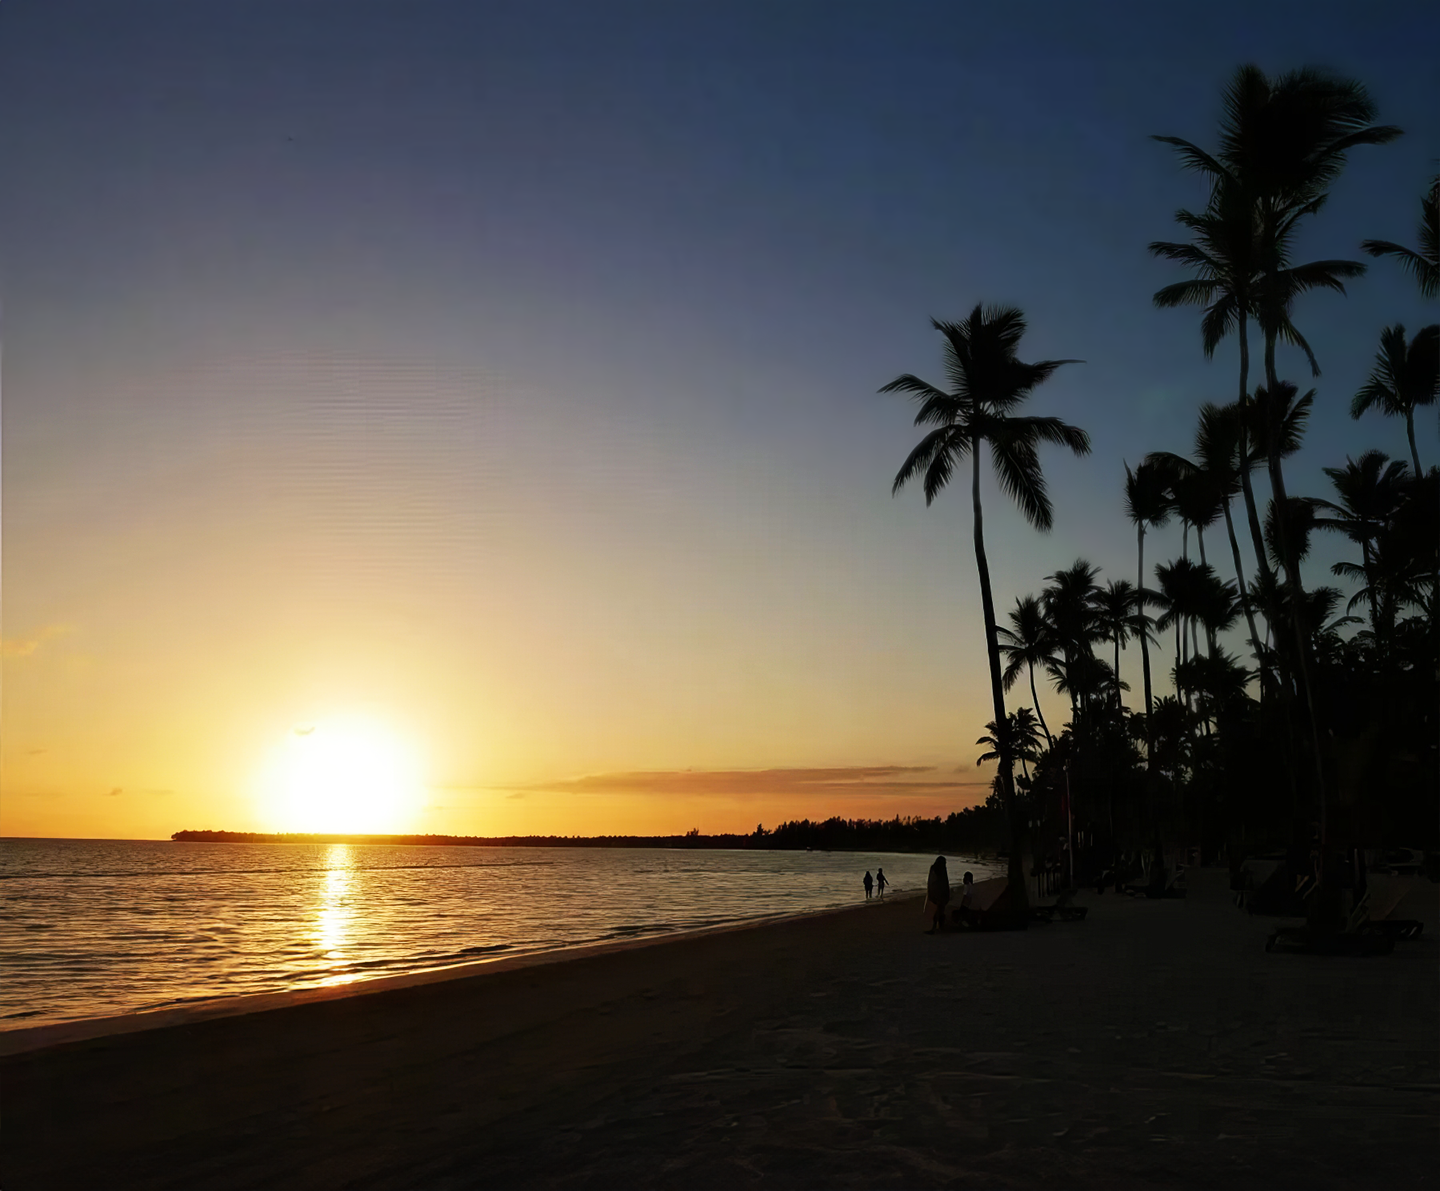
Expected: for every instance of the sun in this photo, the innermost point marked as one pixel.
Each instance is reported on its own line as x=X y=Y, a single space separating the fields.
x=341 y=774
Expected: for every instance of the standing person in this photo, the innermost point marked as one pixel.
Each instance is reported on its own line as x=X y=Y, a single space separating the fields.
x=869 y=881
x=966 y=910
x=937 y=894
x=881 y=880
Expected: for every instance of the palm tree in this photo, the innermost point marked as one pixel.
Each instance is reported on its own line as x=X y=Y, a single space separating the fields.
x=1283 y=142
x=1114 y=614
x=1027 y=643
x=1024 y=739
x=1370 y=492
x=1148 y=507
x=1225 y=253
x=1425 y=264
x=988 y=383
x=1403 y=379
x=1068 y=606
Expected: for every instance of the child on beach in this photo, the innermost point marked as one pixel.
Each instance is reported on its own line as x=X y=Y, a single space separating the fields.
x=881 y=880
x=963 y=912
x=869 y=881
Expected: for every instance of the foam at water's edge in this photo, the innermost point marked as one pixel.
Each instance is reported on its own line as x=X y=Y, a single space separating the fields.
x=23 y=1039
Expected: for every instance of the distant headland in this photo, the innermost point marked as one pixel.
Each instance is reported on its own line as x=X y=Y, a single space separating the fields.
x=977 y=830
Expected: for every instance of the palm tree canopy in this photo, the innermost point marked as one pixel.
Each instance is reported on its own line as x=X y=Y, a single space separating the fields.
x=1403 y=378
x=1115 y=606
x=1278 y=420
x=986 y=381
x=1193 y=591
x=1147 y=497
x=1300 y=521
x=1370 y=491
x=1425 y=264
x=1029 y=641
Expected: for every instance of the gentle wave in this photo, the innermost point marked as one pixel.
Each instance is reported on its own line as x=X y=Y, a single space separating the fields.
x=91 y=928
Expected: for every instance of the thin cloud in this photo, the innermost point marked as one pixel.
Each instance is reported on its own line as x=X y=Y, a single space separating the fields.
x=23 y=647
x=867 y=781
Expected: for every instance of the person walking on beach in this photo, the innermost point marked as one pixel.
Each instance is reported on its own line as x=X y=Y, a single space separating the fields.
x=869 y=881
x=937 y=894
x=881 y=880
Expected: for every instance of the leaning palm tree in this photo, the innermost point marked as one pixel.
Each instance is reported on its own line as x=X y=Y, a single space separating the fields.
x=1425 y=264
x=988 y=384
x=1027 y=643
x=1403 y=378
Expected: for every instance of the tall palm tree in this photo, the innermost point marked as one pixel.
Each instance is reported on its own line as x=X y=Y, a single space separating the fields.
x=988 y=384
x=1148 y=507
x=1114 y=614
x=1425 y=264
x=1283 y=142
x=1027 y=643
x=1403 y=378
x=1068 y=603
x=1225 y=252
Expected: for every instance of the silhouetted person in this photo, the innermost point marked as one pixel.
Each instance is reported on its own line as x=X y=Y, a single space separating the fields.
x=881 y=880
x=869 y=881
x=937 y=893
x=965 y=911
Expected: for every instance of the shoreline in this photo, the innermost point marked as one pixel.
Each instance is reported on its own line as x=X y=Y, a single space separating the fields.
x=22 y=1039
x=1153 y=1044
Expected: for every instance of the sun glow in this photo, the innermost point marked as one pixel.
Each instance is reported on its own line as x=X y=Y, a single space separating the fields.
x=341 y=775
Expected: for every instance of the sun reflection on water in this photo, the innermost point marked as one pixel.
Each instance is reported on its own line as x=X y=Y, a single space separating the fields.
x=336 y=914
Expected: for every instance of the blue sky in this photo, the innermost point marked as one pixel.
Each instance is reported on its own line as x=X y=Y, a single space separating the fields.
x=541 y=342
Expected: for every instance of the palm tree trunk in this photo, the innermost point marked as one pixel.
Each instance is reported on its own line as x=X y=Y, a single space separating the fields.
x=1410 y=431
x=1039 y=715
x=1245 y=596
x=1144 y=640
x=1019 y=894
x=1257 y=536
x=1322 y=910
x=1117 y=669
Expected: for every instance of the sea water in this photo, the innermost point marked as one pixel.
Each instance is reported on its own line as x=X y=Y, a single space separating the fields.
x=96 y=927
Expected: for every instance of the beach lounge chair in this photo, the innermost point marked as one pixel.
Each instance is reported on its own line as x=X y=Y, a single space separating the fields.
x=990 y=908
x=1061 y=909
x=1373 y=915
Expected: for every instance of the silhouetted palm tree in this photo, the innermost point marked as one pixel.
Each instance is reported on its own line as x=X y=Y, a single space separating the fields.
x=1370 y=492
x=988 y=383
x=1114 y=614
x=1027 y=643
x=1283 y=142
x=1148 y=507
x=1024 y=738
x=1403 y=379
x=1425 y=264
x=1068 y=607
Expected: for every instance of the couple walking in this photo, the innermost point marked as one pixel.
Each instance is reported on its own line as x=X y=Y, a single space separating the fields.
x=879 y=879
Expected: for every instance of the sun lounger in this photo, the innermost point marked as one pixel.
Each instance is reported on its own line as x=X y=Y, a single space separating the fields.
x=1060 y=909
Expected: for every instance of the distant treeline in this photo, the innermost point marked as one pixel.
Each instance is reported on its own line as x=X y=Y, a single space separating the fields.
x=975 y=830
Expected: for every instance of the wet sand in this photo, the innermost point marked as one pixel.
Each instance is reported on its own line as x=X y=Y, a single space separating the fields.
x=1155 y=1044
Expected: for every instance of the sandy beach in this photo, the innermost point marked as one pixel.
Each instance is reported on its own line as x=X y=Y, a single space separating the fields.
x=1155 y=1044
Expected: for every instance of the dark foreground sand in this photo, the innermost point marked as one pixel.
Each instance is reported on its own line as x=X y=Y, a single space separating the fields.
x=1154 y=1045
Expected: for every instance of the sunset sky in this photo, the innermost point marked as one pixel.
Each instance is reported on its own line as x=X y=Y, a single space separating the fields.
x=489 y=389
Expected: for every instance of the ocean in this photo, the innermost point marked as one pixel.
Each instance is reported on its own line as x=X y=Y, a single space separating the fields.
x=90 y=928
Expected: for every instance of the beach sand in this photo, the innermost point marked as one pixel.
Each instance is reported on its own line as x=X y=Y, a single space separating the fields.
x=1155 y=1044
